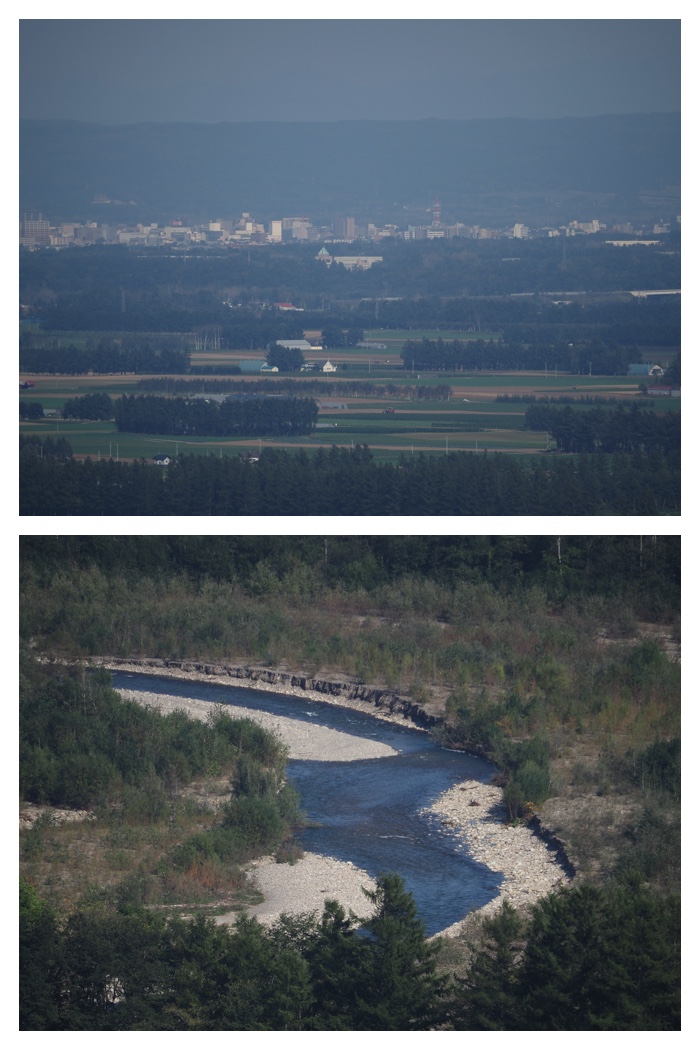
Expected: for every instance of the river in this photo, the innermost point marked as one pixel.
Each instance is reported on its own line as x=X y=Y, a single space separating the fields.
x=369 y=811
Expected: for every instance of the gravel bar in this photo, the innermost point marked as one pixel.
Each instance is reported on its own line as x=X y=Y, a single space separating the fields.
x=472 y=810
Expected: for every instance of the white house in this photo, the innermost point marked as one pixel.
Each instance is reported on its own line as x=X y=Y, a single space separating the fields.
x=328 y=367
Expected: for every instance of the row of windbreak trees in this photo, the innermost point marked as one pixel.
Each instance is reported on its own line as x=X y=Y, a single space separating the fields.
x=481 y=355
x=347 y=481
x=105 y=358
x=627 y=430
x=89 y=406
x=325 y=387
x=257 y=416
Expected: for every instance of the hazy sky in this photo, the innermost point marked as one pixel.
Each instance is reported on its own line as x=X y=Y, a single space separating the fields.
x=131 y=70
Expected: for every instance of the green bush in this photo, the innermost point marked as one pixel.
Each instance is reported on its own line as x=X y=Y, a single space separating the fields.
x=257 y=819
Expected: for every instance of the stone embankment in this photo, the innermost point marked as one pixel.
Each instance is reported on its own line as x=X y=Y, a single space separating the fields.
x=387 y=704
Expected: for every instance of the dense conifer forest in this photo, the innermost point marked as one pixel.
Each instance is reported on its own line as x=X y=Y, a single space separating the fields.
x=553 y=656
x=349 y=482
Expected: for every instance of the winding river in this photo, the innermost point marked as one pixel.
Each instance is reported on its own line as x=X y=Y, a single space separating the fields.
x=368 y=811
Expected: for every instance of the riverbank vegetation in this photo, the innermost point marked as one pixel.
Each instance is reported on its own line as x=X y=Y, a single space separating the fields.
x=556 y=657
x=175 y=808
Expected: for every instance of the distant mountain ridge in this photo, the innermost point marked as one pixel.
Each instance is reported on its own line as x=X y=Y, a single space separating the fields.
x=382 y=170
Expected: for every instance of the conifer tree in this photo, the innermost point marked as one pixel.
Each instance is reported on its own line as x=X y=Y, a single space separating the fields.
x=401 y=990
x=486 y=998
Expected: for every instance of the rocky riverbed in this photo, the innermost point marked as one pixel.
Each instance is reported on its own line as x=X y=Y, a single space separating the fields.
x=472 y=810
x=475 y=813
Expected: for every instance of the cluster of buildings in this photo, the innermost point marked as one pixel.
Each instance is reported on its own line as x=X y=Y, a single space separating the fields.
x=37 y=231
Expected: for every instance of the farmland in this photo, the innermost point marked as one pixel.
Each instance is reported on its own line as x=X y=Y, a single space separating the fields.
x=472 y=419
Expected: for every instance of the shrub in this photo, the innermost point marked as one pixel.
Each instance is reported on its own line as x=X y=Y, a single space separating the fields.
x=257 y=819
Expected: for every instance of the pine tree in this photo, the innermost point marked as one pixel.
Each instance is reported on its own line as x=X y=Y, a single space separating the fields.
x=487 y=998
x=400 y=989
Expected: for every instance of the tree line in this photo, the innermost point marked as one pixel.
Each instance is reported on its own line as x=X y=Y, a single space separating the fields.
x=53 y=448
x=597 y=430
x=259 y=416
x=105 y=358
x=644 y=571
x=348 y=481
x=89 y=406
x=481 y=355
x=586 y=959
x=30 y=410
x=325 y=387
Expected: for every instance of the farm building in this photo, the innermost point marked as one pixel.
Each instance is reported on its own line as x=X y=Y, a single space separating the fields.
x=328 y=367
x=161 y=460
x=255 y=367
x=292 y=344
x=645 y=370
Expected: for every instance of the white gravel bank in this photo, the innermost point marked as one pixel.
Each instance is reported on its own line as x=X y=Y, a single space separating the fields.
x=305 y=886
x=475 y=813
x=305 y=740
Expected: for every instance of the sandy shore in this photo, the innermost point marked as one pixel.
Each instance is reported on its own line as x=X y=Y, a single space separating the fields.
x=472 y=810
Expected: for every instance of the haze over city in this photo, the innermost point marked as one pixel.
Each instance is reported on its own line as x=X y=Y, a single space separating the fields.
x=209 y=70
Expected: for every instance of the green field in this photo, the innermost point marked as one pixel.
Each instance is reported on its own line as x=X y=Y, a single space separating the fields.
x=472 y=420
